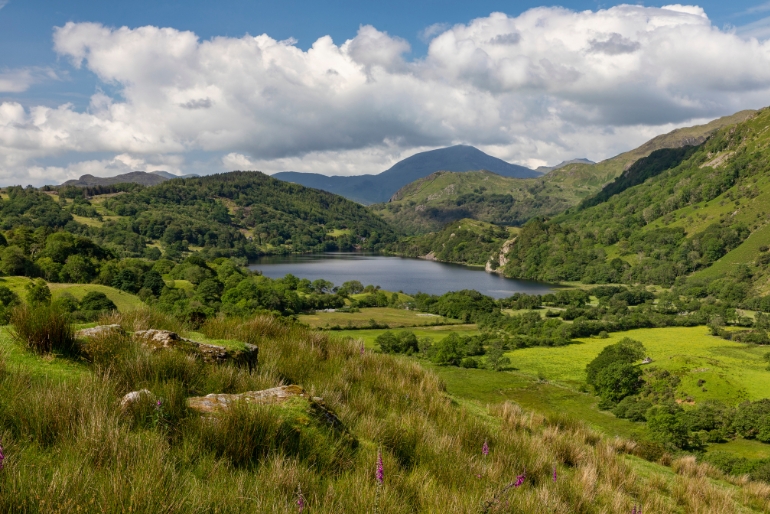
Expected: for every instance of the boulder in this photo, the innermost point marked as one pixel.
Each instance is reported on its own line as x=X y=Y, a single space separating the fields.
x=135 y=397
x=218 y=402
x=99 y=331
x=165 y=339
x=213 y=403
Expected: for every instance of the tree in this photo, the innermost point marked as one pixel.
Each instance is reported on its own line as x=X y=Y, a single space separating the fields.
x=626 y=351
x=496 y=358
x=38 y=292
x=617 y=380
x=97 y=301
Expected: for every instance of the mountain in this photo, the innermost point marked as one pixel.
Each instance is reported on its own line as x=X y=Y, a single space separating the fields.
x=368 y=189
x=546 y=169
x=152 y=178
x=705 y=217
x=427 y=204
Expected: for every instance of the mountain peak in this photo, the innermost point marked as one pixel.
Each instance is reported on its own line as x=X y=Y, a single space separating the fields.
x=378 y=188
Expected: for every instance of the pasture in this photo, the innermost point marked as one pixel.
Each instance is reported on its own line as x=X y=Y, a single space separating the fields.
x=123 y=301
x=394 y=318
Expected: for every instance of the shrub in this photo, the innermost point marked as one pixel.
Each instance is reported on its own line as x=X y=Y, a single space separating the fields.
x=97 y=301
x=44 y=329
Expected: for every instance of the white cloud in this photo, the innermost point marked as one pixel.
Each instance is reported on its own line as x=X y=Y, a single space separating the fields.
x=3 y=3
x=548 y=85
x=19 y=80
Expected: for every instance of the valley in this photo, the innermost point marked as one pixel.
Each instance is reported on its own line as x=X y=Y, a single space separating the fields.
x=623 y=318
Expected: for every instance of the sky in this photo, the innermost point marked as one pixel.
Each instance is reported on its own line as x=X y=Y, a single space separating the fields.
x=347 y=88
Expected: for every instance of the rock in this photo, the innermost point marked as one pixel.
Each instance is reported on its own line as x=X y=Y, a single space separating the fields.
x=217 y=402
x=99 y=331
x=213 y=403
x=165 y=339
x=647 y=360
x=135 y=397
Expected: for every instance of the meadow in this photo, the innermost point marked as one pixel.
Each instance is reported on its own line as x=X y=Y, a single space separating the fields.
x=394 y=318
x=123 y=301
x=551 y=381
x=69 y=448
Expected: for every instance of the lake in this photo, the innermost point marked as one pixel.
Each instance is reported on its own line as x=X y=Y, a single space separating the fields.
x=395 y=274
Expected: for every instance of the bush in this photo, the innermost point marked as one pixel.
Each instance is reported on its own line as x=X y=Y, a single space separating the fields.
x=97 y=301
x=44 y=329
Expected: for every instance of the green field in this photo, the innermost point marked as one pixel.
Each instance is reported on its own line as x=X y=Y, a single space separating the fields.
x=49 y=366
x=122 y=300
x=436 y=333
x=732 y=371
x=394 y=318
x=547 y=379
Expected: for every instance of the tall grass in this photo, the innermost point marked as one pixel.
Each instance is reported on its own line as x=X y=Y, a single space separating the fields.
x=71 y=446
x=44 y=329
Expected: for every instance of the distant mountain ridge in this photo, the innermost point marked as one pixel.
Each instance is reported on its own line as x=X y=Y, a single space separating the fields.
x=152 y=178
x=369 y=189
x=546 y=169
x=428 y=204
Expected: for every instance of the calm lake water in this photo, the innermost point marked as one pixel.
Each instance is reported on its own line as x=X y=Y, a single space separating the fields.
x=395 y=274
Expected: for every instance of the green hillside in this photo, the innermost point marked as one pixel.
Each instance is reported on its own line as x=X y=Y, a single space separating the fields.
x=466 y=241
x=444 y=197
x=428 y=204
x=703 y=217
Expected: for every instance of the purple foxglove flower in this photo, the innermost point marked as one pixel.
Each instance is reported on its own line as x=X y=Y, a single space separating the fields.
x=520 y=479
x=380 y=470
x=2 y=456
x=485 y=448
x=301 y=503
x=634 y=510
x=362 y=349
x=554 y=473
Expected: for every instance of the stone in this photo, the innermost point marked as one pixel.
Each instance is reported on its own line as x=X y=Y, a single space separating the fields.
x=135 y=397
x=218 y=402
x=165 y=339
x=99 y=331
x=213 y=403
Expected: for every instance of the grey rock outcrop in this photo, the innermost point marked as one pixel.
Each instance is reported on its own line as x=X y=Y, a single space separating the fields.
x=99 y=331
x=157 y=340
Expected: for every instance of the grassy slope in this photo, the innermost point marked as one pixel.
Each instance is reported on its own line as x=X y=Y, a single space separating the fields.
x=427 y=204
x=732 y=372
x=122 y=300
x=392 y=317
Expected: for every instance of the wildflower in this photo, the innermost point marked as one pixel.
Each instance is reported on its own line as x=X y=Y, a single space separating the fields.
x=554 y=473
x=2 y=456
x=300 y=499
x=380 y=469
x=485 y=448
x=362 y=348
x=520 y=479
x=634 y=510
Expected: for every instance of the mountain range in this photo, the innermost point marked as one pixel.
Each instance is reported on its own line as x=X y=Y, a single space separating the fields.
x=152 y=178
x=428 y=204
x=369 y=189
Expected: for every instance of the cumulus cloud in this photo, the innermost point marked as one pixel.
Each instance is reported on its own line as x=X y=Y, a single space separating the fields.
x=547 y=85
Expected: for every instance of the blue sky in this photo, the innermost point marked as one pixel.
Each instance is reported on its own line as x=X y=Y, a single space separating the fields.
x=398 y=47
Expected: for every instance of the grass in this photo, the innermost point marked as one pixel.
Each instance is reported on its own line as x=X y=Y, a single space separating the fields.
x=91 y=222
x=392 y=317
x=123 y=301
x=732 y=371
x=368 y=335
x=50 y=367
x=167 y=459
x=338 y=232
